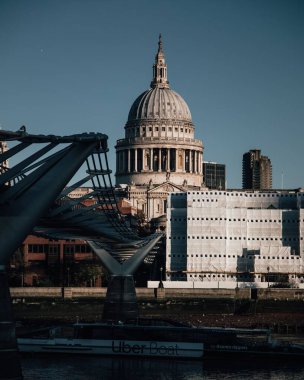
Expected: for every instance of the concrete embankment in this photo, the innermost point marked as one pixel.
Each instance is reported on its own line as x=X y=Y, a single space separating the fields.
x=145 y=293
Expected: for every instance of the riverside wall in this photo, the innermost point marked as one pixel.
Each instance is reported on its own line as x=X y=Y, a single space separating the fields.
x=160 y=293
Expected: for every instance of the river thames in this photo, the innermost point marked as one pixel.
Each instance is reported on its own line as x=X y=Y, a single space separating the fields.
x=106 y=368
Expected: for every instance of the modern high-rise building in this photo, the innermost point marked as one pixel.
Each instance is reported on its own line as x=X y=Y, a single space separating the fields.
x=214 y=175
x=159 y=153
x=257 y=171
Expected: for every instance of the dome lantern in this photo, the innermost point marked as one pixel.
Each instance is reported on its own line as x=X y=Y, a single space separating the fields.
x=160 y=68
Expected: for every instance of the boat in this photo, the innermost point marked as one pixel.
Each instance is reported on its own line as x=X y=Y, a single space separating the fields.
x=153 y=337
x=259 y=343
x=122 y=339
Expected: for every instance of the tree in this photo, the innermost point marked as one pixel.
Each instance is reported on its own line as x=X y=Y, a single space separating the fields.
x=87 y=274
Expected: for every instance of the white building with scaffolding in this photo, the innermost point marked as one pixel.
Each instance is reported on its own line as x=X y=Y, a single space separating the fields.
x=235 y=238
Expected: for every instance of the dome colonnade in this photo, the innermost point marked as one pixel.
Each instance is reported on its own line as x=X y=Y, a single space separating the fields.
x=164 y=159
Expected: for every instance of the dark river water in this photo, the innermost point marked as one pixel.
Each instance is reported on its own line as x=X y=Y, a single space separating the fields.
x=92 y=368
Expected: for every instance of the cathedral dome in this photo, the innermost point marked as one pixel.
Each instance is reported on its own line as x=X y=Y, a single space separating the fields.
x=159 y=103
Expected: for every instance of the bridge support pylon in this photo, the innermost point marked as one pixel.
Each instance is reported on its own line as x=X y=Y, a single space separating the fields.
x=10 y=368
x=121 y=302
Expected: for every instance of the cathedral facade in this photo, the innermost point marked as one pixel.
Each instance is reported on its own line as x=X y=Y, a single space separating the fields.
x=159 y=153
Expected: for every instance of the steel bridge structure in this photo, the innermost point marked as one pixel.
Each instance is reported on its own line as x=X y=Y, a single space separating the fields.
x=35 y=198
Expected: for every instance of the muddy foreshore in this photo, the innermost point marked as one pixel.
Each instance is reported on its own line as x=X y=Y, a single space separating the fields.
x=283 y=317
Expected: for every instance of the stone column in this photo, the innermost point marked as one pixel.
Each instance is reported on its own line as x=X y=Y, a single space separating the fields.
x=152 y=208
x=121 y=165
x=191 y=152
x=168 y=159
x=118 y=168
x=184 y=159
x=159 y=160
x=135 y=159
x=119 y=161
x=151 y=159
x=198 y=161
x=129 y=160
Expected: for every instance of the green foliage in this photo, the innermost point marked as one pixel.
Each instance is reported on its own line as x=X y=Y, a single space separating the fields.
x=284 y=284
x=87 y=274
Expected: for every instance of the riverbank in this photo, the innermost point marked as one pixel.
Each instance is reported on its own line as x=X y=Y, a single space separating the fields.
x=279 y=316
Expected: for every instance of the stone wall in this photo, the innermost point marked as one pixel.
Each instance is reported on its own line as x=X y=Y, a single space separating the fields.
x=145 y=293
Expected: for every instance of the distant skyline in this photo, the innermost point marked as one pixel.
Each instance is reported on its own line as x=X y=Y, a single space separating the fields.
x=72 y=66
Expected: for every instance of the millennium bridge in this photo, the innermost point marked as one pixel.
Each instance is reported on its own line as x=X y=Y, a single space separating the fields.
x=35 y=199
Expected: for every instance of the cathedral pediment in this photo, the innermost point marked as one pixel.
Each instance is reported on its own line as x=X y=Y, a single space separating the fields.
x=166 y=187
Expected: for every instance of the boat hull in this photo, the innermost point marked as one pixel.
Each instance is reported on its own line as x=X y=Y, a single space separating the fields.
x=155 y=338
x=113 y=347
x=289 y=351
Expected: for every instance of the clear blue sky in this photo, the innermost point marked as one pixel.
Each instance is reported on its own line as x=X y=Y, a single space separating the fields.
x=70 y=66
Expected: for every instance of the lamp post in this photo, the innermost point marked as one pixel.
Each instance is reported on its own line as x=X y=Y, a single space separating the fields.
x=268 y=276
x=68 y=279
x=22 y=278
x=237 y=277
x=161 y=285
